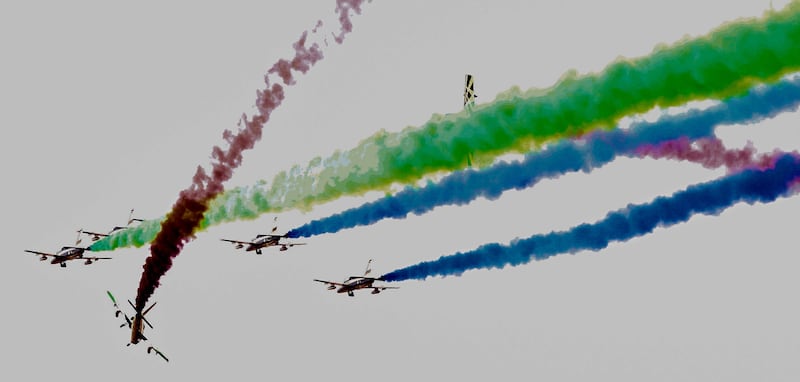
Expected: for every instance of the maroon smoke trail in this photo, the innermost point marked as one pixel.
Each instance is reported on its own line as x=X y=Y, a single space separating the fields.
x=187 y=212
x=710 y=153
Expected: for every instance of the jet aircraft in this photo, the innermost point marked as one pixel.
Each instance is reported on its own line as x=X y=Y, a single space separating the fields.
x=469 y=103
x=263 y=241
x=356 y=282
x=97 y=235
x=469 y=91
x=67 y=254
x=136 y=325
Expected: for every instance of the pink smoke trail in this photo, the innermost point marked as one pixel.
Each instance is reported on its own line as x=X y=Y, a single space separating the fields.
x=710 y=153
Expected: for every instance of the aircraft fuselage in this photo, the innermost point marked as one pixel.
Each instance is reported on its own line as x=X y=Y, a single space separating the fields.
x=67 y=254
x=354 y=283
x=136 y=330
x=262 y=242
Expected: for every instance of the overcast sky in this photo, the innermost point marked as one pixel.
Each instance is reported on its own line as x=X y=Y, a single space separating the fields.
x=110 y=107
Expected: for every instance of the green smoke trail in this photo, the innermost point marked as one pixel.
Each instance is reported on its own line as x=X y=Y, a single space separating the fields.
x=726 y=62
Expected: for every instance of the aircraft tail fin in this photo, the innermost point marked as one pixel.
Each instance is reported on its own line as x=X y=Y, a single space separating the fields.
x=368 y=270
x=132 y=219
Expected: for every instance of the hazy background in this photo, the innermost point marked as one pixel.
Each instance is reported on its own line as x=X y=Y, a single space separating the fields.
x=108 y=107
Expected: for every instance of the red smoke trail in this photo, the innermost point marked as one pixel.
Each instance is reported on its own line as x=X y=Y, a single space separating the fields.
x=710 y=153
x=192 y=203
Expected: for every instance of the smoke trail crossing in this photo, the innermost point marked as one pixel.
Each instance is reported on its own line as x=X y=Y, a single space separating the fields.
x=187 y=212
x=723 y=63
x=726 y=62
x=670 y=136
x=708 y=198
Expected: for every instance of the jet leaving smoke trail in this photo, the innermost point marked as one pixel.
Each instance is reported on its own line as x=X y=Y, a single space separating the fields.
x=596 y=149
x=720 y=64
x=752 y=185
x=181 y=223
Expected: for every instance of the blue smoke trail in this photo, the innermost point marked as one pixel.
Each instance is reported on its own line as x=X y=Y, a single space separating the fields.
x=595 y=150
x=635 y=220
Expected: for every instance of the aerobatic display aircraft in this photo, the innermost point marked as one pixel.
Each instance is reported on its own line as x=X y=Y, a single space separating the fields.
x=96 y=235
x=67 y=254
x=263 y=241
x=356 y=282
x=469 y=91
x=136 y=325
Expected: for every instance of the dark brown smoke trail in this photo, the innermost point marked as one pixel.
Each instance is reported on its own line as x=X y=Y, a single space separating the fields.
x=180 y=223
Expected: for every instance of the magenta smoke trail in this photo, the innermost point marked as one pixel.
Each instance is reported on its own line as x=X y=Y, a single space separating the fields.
x=192 y=203
x=710 y=153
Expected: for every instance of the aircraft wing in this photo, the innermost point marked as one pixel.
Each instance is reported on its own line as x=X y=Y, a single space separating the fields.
x=286 y=246
x=384 y=287
x=237 y=241
x=40 y=253
x=329 y=282
x=93 y=258
x=90 y=233
x=119 y=311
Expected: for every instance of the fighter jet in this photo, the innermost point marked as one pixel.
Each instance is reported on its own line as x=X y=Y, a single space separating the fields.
x=135 y=325
x=67 y=254
x=263 y=241
x=469 y=103
x=356 y=282
x=97 y=235
x=469 y=91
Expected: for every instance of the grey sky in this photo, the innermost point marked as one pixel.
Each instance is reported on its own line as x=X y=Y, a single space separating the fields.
x=111 y=107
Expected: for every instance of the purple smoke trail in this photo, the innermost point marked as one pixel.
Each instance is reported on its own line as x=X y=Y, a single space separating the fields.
x=710 y=153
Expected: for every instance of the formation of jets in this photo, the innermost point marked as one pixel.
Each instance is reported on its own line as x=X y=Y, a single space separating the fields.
x=68 y=253
x=137 y=322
